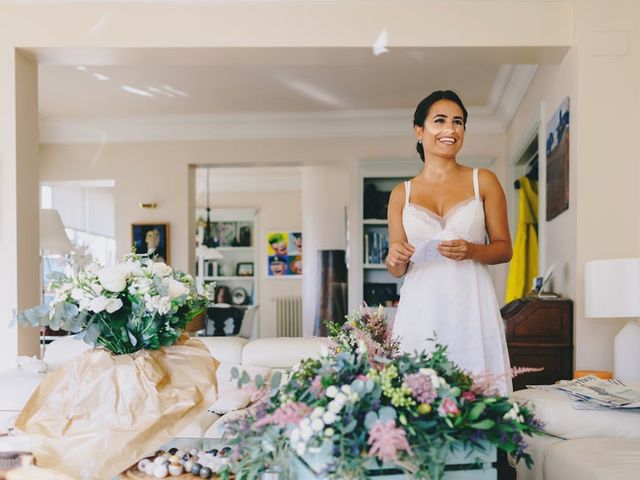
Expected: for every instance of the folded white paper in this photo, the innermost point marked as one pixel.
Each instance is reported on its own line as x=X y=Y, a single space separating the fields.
x=426 y=251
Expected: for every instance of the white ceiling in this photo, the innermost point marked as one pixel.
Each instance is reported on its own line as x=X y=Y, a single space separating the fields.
x=192 y=94
x=309 y=80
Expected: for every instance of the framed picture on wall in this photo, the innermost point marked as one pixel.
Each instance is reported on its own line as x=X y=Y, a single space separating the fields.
x=284 y=254
x=151 y=239
x=558 y=161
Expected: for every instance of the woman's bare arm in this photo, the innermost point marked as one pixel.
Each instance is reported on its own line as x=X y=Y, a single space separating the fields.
x=400 y=250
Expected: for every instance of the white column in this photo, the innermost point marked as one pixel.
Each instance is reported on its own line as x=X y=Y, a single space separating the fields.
x=325 y=192
x=19 y=277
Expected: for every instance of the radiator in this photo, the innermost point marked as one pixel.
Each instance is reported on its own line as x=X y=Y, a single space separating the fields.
x=289 y=316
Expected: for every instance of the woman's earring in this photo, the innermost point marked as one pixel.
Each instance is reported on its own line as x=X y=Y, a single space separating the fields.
x=420 y=141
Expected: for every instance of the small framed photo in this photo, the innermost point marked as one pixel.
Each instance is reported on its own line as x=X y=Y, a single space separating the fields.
x=151 y=239
x=244 y=269
x=226 y=233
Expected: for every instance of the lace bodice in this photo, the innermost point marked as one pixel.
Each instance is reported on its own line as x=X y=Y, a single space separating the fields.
x=465 y=220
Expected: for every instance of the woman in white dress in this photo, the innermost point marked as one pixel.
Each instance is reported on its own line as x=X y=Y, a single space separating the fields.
x=455 y=219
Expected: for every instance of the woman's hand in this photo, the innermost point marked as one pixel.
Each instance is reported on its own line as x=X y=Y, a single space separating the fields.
x=456 y=249
x=399 y=253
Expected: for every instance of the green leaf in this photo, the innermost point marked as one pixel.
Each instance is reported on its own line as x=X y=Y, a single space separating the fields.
x=351 y=426
x=259 y=381
x=276 y=379
x=485 y=424
x=387 y=413
x=234 y=373
x=476 y=411
x=244 y=379
x=370 y=420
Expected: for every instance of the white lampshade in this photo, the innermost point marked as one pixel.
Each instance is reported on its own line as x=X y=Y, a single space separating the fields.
x=612 y=288
x=53 y=239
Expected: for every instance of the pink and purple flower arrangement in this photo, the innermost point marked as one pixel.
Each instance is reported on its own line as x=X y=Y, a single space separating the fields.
x=365 y=400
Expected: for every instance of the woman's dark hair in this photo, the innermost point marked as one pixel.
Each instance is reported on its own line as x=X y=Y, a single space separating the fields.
x=422 y=110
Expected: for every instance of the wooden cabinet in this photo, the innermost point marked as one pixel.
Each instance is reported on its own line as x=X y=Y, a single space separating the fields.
x=540 y=334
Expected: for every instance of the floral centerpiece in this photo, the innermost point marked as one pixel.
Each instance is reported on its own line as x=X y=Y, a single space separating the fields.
x=366 y=401
x=146 y=382
x=136 y=304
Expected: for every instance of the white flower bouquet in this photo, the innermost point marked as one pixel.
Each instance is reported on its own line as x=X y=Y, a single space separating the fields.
x=136 y=304
x=122 y=401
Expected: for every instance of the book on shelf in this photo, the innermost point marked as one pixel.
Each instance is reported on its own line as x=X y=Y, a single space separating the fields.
x=376 y=247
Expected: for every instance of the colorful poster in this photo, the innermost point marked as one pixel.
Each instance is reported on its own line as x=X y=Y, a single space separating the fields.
x=284 y=252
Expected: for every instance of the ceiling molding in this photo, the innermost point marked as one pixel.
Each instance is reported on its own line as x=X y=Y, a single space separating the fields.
x=508 y=90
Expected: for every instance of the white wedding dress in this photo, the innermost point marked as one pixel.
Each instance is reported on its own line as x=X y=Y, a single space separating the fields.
x=454 y=299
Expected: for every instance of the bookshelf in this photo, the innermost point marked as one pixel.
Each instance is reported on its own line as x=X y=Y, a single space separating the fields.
x=367 y=271
x=236 y=271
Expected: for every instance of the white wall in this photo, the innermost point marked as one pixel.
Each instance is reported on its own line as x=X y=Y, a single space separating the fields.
x=601 y=75
x=94 y=27
x=325 y=195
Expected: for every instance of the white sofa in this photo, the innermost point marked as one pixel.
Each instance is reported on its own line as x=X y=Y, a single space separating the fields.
x=580 y=444
x=262 y=356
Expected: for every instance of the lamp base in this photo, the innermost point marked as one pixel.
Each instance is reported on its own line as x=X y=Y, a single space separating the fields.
x=627 y=352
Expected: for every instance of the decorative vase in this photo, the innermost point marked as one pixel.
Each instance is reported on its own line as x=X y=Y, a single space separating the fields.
x=464 y=463
x=332 y=301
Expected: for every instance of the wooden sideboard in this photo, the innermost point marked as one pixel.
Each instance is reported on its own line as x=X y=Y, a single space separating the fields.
x=540 y=334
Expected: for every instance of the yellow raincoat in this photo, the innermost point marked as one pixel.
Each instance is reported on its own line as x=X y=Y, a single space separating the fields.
x=524 y=264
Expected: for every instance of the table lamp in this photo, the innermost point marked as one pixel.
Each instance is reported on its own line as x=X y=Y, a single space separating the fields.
x=612 y=290
x=53 y=238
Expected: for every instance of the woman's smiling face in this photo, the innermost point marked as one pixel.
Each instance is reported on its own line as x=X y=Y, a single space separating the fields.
x=443 y=131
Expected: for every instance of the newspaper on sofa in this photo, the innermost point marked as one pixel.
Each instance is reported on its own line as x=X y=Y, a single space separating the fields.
x=595 y=393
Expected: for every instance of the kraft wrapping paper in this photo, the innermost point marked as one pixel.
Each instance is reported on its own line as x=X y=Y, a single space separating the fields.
x=99 y=414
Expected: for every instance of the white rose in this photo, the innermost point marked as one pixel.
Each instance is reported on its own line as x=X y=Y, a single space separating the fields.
x=161 y=269
x=329 y=418
x=300 y=449
x=77 y=294
x=329 y=432
x=334 y=406
x=332 y=391
x=317 y=425
x=84 y=304
x=98 y=304
x=175 y=288
x=295 y=435
x=306 y=433
x=151 y=303
x=113 y=278
x=132 y=267
x=346 y=389
x=317 y=412
x=164 y=305
x=113 y=305
x=341 y=398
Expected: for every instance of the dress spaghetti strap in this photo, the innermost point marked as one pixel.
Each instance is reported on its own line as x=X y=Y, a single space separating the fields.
x=407 y=191
x=476 y=188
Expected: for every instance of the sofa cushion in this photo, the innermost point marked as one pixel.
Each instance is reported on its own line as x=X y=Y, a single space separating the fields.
x=63 y=350
x=230 y=397
x=217 y=429
x=199 y=426
x=17 y=386
x=561 y=419
x=594 y=459
x=225 y=349
x=282 y=352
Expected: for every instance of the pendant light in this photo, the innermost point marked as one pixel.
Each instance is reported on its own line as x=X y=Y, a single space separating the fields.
x=208 y=240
